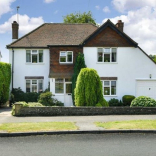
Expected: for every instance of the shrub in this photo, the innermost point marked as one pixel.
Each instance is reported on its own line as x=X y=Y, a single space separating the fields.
x=88 y=91
x=47 y=100
x=143 y=101
x=5 y=78
x=114 y=102
x=18 y=95
x=127 y=99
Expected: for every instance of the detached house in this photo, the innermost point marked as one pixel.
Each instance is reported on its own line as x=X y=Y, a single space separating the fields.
x=47 y=55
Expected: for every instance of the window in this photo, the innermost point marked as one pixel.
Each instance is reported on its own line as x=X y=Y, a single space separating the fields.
x=66 y=57
x=107 y=55
x=34 y=86
x=63 y=86
x=109 y=87
x=34 y=56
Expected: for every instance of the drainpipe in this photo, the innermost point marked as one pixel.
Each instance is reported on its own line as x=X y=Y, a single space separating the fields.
x=12 y=68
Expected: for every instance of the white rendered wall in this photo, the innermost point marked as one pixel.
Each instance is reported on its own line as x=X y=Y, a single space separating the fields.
x=131 y=64
x=22 y=69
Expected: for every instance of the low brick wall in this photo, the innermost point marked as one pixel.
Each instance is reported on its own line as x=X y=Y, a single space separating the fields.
x=81 y=111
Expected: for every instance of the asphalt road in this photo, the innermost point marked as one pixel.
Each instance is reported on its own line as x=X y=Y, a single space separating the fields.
x=80 y=145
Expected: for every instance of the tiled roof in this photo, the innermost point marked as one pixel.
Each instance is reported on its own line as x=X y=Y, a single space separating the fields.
x=55 y=34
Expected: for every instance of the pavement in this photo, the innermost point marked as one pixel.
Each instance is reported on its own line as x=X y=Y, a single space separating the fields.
x=85 y=123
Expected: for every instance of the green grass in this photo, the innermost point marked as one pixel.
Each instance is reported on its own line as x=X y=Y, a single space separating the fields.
x=133 y=124
x=37 y=126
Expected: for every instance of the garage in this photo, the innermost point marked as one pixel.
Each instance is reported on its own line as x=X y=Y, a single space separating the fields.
x=146 y=88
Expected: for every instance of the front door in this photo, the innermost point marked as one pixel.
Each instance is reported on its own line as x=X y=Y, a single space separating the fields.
x=68 y=94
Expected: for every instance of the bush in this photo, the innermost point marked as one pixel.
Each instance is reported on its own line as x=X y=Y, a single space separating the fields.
x=88 y=91
x=5 y=78
x=18 y=95
x=114 y=102
x=47 y=100
x=127 y=99
x=143 y=101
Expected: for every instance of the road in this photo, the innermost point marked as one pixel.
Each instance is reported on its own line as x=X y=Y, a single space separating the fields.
x=80 y=145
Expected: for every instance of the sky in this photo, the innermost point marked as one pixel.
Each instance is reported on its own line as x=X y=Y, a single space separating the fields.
x=139 y=17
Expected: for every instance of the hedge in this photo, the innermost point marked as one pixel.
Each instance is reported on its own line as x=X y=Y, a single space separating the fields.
x=5 y=78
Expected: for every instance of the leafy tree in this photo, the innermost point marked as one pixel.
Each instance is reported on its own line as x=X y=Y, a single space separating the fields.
x=88 y=91
x=5 y=78
x=79 y=18
x=79 y=64
x=153 y=57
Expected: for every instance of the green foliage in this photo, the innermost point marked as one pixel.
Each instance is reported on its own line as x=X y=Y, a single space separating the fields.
x=143 y=101
x=88 y=91
x=79 y=18
x=47 y=100
x=153 y=57
x=127 y=99
x=5 y=78
x=114 y=102
x=79 y=64
x=18 y=95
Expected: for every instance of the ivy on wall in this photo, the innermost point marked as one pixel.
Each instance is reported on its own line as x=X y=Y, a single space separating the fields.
x=5 y=78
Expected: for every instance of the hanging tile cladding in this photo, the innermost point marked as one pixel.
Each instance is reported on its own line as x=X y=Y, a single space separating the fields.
x=62 y=70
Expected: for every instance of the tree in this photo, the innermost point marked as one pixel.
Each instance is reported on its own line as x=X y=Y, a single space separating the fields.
x=153 y=57
x=88 y=91
x=79 y=18
x=79 y=64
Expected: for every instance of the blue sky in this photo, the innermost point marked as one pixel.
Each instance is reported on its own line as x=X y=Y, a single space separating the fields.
x=139 y=17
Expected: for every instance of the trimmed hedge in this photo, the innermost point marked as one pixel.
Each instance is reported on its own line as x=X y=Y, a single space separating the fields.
x=5 y=79
x=143 y=101
x=88 y=91
x=127 y=99
x=115 y=102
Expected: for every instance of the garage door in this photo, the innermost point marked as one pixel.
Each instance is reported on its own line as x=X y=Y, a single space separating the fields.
x=146 y=88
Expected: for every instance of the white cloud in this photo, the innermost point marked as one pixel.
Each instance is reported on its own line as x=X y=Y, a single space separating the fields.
x=49 y=1
x=140 y=25
x=97 y=7
x=5 y=6
x=106 y=9
x=26 y=24
x=126 y=5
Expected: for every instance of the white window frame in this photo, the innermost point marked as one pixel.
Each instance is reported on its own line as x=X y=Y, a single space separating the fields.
x=31 y=84
x=35 y=52
x=110 y=81
x=66 y=54
x=64 y=82
x=104 y=52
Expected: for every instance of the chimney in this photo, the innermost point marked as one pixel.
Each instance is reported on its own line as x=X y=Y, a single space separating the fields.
x=14 y=31
x=120 y=25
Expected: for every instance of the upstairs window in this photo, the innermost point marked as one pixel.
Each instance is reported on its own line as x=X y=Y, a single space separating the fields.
x=107 y=55
x=34 y=56
x=66 y=57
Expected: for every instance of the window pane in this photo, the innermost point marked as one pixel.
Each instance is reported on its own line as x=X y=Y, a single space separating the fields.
x=59 y=87
x=114 y=50
x=100 y=49
x=100 y=57
x=106 y=57
x=68 y=88
x=59 y=80
x=34 y=81
x=107 y=50
x=113 y=87
x=106 y=83
x=106 y=90
x=28 y=56
x=27 y=85
x=113 y=57
x=69 y=57
x=68 y=79
x=34 y=88
x=62 y=58
x=40 y=55
x=40 y=86
x=34 y=58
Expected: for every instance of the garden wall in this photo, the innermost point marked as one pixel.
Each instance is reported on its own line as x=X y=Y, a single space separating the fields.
x=81 y=111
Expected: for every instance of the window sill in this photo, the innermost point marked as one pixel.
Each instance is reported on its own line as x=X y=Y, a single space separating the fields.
x=34 y=63
x=106 y=62
x=57 y=94
x=64 y=63
x=110 y=95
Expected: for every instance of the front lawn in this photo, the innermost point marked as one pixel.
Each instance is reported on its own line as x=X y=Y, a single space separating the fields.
x=133 y=124
x=37 y=127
